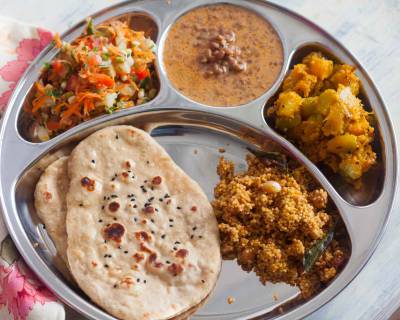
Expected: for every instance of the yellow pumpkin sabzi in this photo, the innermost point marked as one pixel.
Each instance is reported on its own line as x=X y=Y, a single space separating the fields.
x=318 y=109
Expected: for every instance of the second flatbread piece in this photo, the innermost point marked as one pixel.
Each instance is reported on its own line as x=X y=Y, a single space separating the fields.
x=50 y=203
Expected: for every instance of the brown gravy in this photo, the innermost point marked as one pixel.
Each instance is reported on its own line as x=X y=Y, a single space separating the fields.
x=188 y=43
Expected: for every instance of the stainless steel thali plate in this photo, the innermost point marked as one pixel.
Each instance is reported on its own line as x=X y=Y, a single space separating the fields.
x=192 y=134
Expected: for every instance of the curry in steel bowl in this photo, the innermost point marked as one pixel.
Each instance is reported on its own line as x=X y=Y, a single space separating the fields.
x=222 y=55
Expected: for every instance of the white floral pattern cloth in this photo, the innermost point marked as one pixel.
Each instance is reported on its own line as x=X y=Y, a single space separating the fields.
x=22 y=295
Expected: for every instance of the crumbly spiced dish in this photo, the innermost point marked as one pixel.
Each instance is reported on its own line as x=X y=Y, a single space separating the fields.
x=277 y=222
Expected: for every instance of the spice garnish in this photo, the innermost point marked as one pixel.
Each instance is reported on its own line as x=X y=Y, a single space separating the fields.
x=156 y=180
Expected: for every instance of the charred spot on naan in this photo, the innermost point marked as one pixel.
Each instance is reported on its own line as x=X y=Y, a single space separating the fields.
x=128 y=164
x=144 y=248
x=47 y=196
x=149 y=209
x=175 y=269
x=125 y=174
x=156 y=180
x=152 y=260
x=143 y=235
x=126 y=282
x=113 y=206
x=88 y=183
x=114 y=231
x=182 y=253
x=138 y=256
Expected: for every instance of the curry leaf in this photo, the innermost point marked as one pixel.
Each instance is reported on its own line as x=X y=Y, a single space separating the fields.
x=312 y=255
x=90 y=27
x=46 y=66
x=276 y=158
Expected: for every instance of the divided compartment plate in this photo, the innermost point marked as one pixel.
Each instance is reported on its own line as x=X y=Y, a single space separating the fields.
x=192 y=134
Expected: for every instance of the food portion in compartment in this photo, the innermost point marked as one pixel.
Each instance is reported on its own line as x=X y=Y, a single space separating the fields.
x=51 y=207
x=319 y=110
x=278 y=222
x=222 y=55
x=132 y=227
x=110 y=67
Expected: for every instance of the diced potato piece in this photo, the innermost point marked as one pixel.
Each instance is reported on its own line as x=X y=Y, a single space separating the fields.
x=295 y=75
x=359 y=128
x=309 y=106
x=300 y=80
x=284 y=123
x=288 y=104
x=345 y=143
x=347 y=96
x=325 y=100
x=318 y=65
x=345 y=75
x=368 y=157
x=318 y=118
x=306 y=85
x=311 y=132
x=350 y=170
x=334 y=122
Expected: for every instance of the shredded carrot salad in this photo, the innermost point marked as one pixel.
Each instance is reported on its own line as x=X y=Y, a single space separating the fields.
x=110 y=67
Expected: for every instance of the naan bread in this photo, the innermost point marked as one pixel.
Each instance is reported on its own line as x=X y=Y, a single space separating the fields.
x=51 y=208
x=50 y=203
x=143 y=240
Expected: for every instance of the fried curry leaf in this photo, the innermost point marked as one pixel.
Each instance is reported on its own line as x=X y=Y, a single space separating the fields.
x=276 y=158
x=312 y=255
x=90 y=27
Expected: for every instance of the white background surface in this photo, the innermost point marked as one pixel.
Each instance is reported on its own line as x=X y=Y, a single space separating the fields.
x=371 y=30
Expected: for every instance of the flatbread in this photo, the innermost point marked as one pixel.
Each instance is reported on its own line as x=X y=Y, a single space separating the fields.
x=143 y=240
x=50 y=203
x=51 y=208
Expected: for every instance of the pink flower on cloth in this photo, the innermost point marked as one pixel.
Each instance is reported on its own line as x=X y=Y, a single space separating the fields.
x=20 y=293
x=26 y=51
